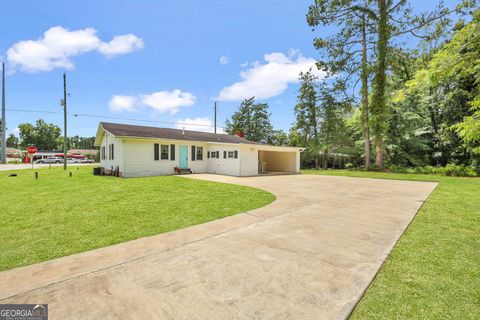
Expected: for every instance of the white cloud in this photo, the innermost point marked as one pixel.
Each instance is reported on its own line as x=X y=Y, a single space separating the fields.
x=16 y=131
x=121 y=45
x=58 y=45
x=123 y=103
x=223 y=60
x=269 y=79
x=197 y=124
x=161 y=101
x=168 y=101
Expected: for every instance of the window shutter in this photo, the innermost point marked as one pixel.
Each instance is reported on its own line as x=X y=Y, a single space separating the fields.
x=217 y=154
x=236 y=154
x=172 y=152
x=208 y=154
x=193 y=153
x=156 y=151
x=224 y=154
x=113 y=152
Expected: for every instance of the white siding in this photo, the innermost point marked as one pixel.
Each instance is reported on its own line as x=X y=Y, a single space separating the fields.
x=139 y=158
x=118 y=153
x=228 y=166
x=248 y=161
x=297 y=161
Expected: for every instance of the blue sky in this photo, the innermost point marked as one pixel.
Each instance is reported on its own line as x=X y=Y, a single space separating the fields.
x=164 y=61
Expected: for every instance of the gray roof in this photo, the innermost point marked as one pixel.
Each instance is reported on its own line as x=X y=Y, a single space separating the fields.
x=126 y=130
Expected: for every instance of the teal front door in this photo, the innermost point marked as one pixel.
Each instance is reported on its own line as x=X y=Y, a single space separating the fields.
x=183 y=157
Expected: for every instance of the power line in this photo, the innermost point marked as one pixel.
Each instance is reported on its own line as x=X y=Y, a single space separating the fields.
x=88 y=115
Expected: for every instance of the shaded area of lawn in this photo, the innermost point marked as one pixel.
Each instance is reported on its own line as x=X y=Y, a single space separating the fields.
x=434 y=270
x=57 y=215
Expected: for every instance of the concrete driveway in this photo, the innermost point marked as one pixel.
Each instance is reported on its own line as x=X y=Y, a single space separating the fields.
x=309 y=255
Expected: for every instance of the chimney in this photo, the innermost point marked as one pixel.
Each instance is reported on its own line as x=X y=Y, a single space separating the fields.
x=240 y=134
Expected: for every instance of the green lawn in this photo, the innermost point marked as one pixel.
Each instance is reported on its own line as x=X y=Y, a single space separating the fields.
x=434 y=270
x=57 y=215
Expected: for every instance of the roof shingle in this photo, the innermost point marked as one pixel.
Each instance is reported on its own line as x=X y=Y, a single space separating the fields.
x=126 y=130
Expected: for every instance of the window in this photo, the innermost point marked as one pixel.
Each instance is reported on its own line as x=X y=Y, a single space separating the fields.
x=199 y=153
x=164 y=152
x=236 y=154
x=224 y=154
x=156 y=151
x=110 y=152
x=230 y=154
x=213 y=154
x=102 y=153
x=193 y=153
x=208 y=154
x=172 y=152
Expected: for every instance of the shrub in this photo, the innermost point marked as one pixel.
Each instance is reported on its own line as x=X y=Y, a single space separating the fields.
x=449 y=170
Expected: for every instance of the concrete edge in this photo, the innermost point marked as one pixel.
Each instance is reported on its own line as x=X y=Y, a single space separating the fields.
x=385 y=258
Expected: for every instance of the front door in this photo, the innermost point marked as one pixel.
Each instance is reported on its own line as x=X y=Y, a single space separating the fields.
x=183 y=157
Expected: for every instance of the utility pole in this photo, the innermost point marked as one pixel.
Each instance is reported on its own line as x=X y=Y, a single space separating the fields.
x=3 y=158
x=64 y=121
x=215 y=117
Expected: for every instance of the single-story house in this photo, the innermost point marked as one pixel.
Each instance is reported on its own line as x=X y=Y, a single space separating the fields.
x=136 y=151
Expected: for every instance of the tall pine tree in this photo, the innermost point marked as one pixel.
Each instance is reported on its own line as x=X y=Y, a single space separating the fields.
x=307 y=116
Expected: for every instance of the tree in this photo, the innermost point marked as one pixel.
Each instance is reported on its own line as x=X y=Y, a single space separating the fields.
x=253 y=120
x=395 y=19
x=77 y=142
x=307 y=118
x=12 y=141
x=43 y=135
x=333 y=131
x=391 y=20
x=443 y=96
x=278 y=138
x=346 y=53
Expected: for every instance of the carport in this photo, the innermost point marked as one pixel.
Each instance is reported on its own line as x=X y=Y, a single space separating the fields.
x=278 y=161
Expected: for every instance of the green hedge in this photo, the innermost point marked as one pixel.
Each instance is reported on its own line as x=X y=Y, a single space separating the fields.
x=449 y=170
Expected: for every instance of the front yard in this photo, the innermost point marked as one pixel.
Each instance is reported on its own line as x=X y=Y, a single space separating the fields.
x=434 y=270
x=57 y=215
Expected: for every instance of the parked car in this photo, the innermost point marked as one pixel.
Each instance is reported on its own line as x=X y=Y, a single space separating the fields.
x=87 y=161
x=73 y=160
x=50 y=160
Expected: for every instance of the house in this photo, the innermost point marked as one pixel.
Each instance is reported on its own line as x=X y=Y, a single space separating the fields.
x=136 y=151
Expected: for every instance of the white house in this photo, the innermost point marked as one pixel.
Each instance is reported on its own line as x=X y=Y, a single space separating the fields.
x=136 y=151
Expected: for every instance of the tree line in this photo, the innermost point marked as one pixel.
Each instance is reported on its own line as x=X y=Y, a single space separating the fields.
x=46 y=136
x=382 y=99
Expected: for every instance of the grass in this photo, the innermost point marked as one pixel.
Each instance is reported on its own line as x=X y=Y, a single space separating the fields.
x=434 y=270
x=57 y=215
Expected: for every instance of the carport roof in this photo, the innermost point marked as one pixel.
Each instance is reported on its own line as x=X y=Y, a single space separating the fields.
x=126 y=130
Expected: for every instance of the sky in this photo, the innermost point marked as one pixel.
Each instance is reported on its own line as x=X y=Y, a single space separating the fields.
x=158 y=63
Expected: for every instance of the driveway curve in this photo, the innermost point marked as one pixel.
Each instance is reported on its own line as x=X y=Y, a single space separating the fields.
x=308 y=255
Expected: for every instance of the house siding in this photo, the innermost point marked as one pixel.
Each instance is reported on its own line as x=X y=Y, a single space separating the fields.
x=248 y=161
x=118 y=152
x=139 y=157
x=228 y=166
